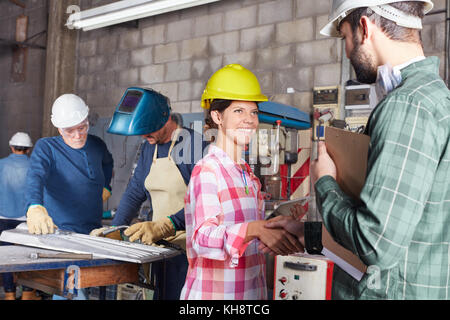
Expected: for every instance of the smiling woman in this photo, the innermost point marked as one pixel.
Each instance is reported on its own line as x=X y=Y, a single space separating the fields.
x=224 y=207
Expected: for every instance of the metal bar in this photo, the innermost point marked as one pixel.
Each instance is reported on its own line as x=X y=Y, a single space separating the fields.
x=18 y=3
x=40 y=255
x=23 y=44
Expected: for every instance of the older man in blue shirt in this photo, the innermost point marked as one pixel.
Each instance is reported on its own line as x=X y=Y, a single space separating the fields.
x=69 y=175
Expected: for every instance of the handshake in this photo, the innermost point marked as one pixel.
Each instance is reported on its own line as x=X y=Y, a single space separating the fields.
x=281 y=235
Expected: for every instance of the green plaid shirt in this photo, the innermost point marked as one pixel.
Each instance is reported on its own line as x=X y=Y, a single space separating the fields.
x=402 y=229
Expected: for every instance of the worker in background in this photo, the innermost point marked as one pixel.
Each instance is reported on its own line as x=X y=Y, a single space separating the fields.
x=69 y=175
x=401 y=230
x=13 y=171
x=224 y=206
x=161 y=176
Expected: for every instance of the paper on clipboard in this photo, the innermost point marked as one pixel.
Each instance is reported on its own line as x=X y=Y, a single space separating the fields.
x=284 y=208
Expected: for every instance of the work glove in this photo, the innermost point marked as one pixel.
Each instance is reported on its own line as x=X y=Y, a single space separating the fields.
x=38 y=220
x=150 y=232
x=106 y=194
x=100 y=233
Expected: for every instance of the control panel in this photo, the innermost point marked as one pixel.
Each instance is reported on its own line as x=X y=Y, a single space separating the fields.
x=302 y=277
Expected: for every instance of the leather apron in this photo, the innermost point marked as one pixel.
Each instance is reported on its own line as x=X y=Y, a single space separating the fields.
x=167 y=189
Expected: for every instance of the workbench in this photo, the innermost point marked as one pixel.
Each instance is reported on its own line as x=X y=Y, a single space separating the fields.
x=57 y=276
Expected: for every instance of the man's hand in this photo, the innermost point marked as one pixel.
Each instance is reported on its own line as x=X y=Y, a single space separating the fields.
x=38 y=221
x=106 y=194
x=150 y=232
x=293 y=226
x=278 y=240
x=100 y=233
x=323 y=165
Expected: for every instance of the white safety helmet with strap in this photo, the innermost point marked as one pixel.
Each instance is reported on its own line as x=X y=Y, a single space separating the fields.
x=21 y=139
x=68 y=111
x=342 y=8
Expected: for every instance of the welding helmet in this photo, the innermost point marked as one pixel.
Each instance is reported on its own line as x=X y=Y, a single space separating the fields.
x=21 y=139
x=140 y=112
x=68 y=111
x=342 y=8
x=232 y=82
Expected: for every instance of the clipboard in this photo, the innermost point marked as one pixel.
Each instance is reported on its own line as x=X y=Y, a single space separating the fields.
x=349 y=152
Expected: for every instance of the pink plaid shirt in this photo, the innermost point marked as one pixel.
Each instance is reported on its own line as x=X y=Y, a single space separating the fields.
x=217 y=210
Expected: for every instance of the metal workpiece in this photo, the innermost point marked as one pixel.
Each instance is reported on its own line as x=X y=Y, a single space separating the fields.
x=99 y=247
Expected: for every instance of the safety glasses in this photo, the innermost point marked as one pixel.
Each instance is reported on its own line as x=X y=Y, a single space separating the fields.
x=81 y=129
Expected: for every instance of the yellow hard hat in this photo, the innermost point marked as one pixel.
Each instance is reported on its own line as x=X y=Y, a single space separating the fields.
x=232 y=82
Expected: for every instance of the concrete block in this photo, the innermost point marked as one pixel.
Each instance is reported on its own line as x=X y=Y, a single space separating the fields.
x=317 y=52
x=178 y=70
x=240 y=18
x=196 y=106
x=97 y=63
x=303 y=101
x=108 y=44
x=246 y=59
x=82 y=67
x=427 y=38
x=224 y=6
x=190 y=90
x=104 y=80
x=207 y=25
x=119 y=60
x=130 y=40
x=321 y=22
x=153 y=35
x=142 y=57
x=200 y=69
x=256 y=38
x=179 y=30
x=152 y=74
x=283 y=98
x=129 y=77
x=295 y=31
x=327 y=75
x=87 y=48
x=194 y=48
x=275 y=11
x=301 y=79
x=165 y=53
x=85 y=82
x=265 y=79
x=215 y=63
x=224 y=43
x=169 y=89
x=279 y=58
x=439 y=39
x=181 y=107
x=310 y=8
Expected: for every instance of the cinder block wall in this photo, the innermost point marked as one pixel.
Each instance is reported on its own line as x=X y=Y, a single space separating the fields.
x=21 y=102
x=177 y=52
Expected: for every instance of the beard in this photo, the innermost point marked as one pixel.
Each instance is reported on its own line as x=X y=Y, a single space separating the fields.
x=363 y=64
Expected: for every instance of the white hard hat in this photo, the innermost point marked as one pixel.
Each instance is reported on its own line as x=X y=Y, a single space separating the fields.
x=341 y=8
x=68 y=110
x=21 y=139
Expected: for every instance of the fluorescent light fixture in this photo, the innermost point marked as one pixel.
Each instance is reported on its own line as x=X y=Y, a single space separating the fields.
x=126 y=10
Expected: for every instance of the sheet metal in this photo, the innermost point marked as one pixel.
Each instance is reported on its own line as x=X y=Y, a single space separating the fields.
x=67 y=241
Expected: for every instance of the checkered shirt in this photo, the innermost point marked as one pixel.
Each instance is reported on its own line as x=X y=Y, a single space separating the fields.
x=402 y=230
x=217 y=211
